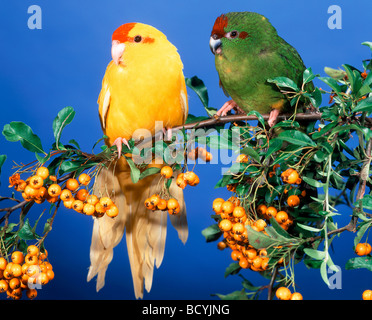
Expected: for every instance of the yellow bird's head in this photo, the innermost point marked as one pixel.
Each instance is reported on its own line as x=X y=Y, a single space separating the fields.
x=135 y=38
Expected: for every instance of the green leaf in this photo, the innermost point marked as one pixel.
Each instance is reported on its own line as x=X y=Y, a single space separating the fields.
x=296 y=137
x=323 y=272
x=211 y=233
x=259 y=240
x=306 y=227
x=200 y=89
x=315 y=254
x=364 y=105
x=312 y=182
x=368 y=44
x=332 y=83
x=2 y=160
x=359 y=263
x=64 y=117
x=258 y=115
x=26 y=232
x=236 y=295
x=251 y=152
x=19 y=131
x=232 y=269
x=134 y=171
x=308 y=76
x=284 y=82
x=149 y=171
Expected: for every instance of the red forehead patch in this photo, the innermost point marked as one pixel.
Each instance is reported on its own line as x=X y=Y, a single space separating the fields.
x=219 y=26
x=121 y=33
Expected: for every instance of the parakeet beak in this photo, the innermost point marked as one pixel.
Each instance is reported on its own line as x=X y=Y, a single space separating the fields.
x=117 y=51
x=215 y=45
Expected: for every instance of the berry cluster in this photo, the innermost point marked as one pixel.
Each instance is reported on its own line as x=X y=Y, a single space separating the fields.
x=155 y=202
x=188 y=178
x=25 y=273
x=283 y=293
x=72 y=193
x=234 y=220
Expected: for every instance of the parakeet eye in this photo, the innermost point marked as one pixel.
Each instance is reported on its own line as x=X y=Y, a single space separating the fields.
x=137 y=39
x=232 y=34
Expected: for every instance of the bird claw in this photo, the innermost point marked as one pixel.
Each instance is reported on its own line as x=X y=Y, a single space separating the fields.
x=119 y=143
x=167 y=134
x=273 y=117
x=229 y=105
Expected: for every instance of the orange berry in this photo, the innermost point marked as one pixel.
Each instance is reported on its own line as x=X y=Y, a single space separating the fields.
x=239 y=212
x=290 y=176
x=3 y=263
x=89 y=209
x=367 y=295
x=271 y=212
x=174 y=211
x=221 y=245
x=225 y=225
x=78 y=206
x=33 y=270
x=244 y=263
x=155 y=199
x=242 y=158
x=172 y=204
x=361 y=249
x=180 y=182
x=31 y=192
x=148 y=204
x=106 y=202
x=265 y=263
x=296 y=296
x=32 y=250
x=82 y=195
x=92 y=199
x=261 y=209
x=251 y=253
x=257 y=262
x=166 y=172
x=293 y=201
x=17 y=257
x=283 y=293
x=238 y=228
x=66 y=194
x=236 y=255
x=36 y=182
x=162 y=205
x=189 y=177
x=195 y=182
x=51 y=199
x=53 y=178
x=31 y=293
x=84 y=179
x=14 y=283
x=68 y=203
x=100 y=210
x=16 y=270
x=72 y=184
x=3 y=285
x=368 y=248
x=42 y=172
x=228 y=207
x=50 y=274
x=260 y=224
x=54 y=190
x=281 y=217
x=112 y=211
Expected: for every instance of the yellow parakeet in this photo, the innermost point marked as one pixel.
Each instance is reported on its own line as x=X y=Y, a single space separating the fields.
x=143 y=83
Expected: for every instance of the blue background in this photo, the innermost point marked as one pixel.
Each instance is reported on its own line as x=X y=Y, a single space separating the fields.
x=62 y=64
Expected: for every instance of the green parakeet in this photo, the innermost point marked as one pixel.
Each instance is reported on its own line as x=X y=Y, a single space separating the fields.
x=248 y=51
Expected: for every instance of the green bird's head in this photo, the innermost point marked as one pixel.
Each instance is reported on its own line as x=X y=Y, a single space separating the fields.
x=240 y=29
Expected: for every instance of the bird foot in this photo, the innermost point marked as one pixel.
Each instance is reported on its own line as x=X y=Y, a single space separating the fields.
x=167 y=134
x=119 y=144
x=229 y=105
x=273 y=117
